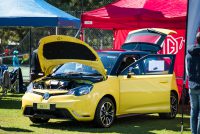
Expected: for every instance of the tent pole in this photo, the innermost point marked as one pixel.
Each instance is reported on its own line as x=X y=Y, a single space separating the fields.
x=56 y=30
x=30 y=51
x=83 y=34
x=184 y=73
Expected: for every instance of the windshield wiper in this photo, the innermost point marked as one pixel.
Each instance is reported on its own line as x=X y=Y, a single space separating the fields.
x=93 y=74
x=74 y=73
x=67 y=74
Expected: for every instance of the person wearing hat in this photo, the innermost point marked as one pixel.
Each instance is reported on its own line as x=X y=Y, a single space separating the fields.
x=15 y=59
x=16 y=73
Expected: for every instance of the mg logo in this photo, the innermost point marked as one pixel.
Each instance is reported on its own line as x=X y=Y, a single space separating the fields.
x=173 y=44
x=46 y=96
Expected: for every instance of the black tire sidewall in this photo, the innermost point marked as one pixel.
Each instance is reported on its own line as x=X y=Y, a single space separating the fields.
x=169 y=115
x=174 y=95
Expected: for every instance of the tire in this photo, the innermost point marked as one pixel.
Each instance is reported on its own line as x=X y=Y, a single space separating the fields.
x=39 y=120
x=173 y=108
x=105 y=113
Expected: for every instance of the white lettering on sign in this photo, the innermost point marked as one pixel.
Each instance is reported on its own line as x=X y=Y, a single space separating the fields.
x=173 y=44
x=88 y=22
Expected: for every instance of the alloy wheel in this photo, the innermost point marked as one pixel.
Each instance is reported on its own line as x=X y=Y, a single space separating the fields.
x=107 y=113
x=174 y=106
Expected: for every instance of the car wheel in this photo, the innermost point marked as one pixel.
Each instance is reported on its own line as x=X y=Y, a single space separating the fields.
x=39 y=120
x=105 y=113
x=173 y=108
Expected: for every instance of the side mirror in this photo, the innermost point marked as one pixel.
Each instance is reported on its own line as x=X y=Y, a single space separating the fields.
x=130 y=74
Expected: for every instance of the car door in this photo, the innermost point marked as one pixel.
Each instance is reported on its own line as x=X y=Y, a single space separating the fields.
x=145 y=85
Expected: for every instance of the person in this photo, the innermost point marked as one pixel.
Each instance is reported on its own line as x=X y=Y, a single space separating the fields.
x=193 y=72
x=15 y=59
x=36 y=71
x=125 y=63
x=16 y=74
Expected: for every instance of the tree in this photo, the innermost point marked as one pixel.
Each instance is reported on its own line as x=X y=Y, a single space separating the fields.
x=12 y=34
x=77 y=6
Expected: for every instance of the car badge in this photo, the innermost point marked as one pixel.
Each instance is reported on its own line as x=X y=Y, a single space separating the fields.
x=46 y=96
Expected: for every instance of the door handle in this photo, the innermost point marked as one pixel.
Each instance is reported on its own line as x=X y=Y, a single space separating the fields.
x=163 y=82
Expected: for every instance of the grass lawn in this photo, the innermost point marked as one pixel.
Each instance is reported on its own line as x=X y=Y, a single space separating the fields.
x=12 y=121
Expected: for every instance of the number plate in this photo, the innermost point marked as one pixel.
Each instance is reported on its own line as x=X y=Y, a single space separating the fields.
x=43 y=106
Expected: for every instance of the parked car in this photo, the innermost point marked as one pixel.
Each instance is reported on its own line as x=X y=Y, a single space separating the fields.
x=84 y=85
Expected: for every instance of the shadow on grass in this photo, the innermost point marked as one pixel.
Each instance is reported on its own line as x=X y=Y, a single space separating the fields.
x=11 y=129
x=142 y=124
x=10 y=104
x=14 y=95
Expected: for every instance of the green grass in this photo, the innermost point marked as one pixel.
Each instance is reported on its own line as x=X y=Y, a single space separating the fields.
x=12 y=121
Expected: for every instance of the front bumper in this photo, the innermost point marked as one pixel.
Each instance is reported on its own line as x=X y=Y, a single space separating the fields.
x=59 y=113
x=81 y=108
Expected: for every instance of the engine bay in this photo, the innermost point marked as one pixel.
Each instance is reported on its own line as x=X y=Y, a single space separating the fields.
x=59 y=84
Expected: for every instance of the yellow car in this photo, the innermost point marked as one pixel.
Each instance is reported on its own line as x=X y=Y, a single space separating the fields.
x=84 y=85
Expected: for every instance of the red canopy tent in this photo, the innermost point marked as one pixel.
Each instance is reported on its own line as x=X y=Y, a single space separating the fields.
x=129 y=14
x=125 y=15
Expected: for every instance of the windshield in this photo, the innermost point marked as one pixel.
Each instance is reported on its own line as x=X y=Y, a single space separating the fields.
x=74 y=68
x=108 y=60
x=143 y=36
x=140 y=46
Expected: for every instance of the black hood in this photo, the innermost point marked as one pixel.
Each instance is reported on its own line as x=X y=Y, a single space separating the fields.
x=194 y=51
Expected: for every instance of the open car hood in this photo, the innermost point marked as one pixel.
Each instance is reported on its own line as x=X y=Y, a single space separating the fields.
x=148 y=39
x=59 y=49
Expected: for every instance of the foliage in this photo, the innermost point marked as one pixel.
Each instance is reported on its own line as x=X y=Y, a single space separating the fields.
x=13 y=34
x=78 y=5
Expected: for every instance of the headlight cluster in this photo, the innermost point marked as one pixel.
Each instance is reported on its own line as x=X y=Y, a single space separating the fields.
x=81 y=90
x=78 y=91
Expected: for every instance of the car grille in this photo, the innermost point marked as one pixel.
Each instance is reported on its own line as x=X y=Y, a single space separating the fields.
x=49 y=94
x=55 y=114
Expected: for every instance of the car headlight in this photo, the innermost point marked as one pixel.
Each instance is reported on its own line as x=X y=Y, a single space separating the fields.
x=82 y=90
x=29 y=88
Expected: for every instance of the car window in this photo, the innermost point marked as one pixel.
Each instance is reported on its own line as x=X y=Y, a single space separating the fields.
x=108 y=60
x=143 y=36
x=73 y=67
x=126 y=61
x=151 y=65
x=141 y=46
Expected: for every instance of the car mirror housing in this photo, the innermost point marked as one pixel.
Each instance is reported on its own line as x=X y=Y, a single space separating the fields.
x=130 y=74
